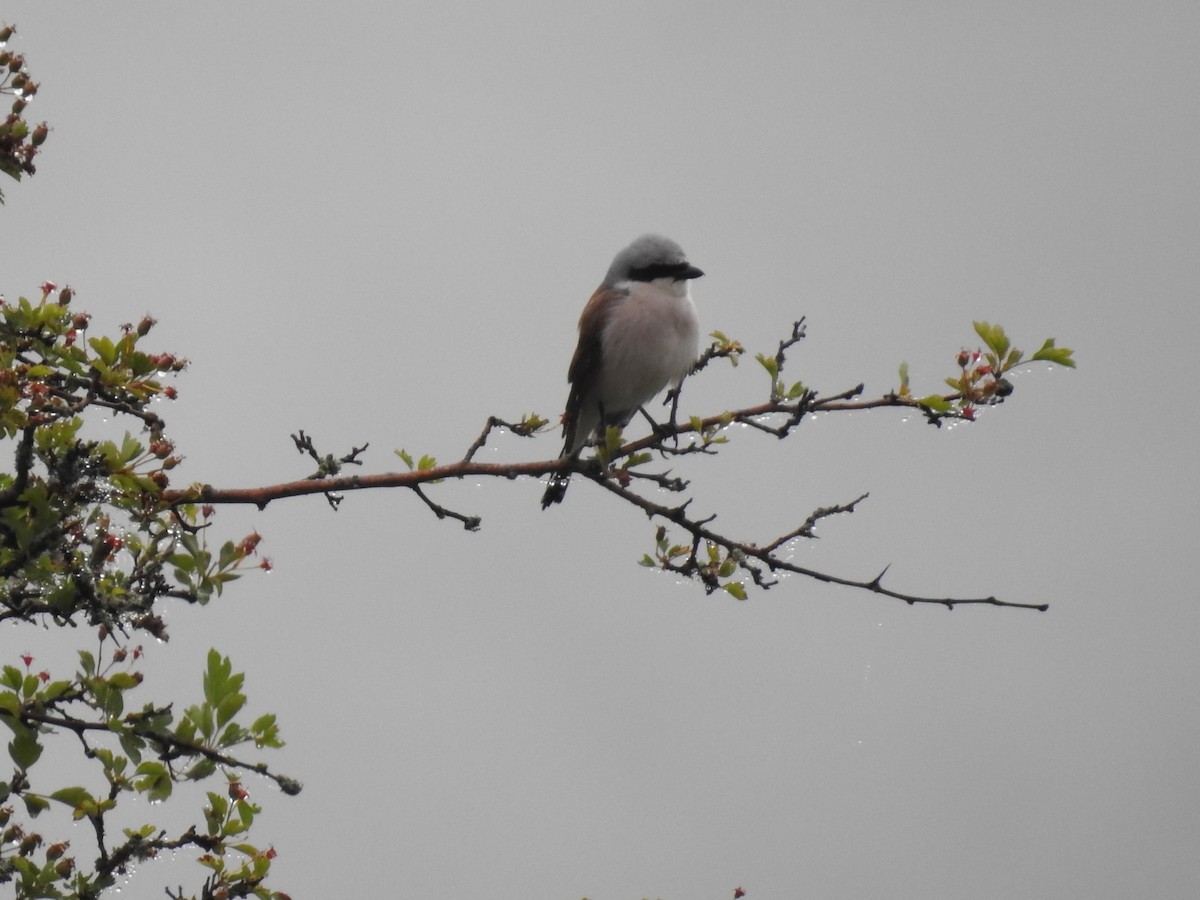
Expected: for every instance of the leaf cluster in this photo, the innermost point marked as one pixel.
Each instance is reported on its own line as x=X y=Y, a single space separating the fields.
x=84 y=534
x=139 y=754
x=87 y=538
x=19 y=143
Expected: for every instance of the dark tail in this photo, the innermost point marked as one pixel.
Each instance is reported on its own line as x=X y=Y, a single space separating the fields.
x=557 y=489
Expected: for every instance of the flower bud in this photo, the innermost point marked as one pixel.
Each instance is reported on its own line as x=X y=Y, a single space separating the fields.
x=39 y=134
x=249 y=543
x=144 y=326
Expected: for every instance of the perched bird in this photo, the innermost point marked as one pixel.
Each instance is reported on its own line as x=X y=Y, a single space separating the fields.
x=638 y=333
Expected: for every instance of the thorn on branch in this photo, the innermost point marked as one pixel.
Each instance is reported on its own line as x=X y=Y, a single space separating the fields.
x=877 y=582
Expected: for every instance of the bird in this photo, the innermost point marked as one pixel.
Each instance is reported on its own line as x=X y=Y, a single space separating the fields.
x=638 y=333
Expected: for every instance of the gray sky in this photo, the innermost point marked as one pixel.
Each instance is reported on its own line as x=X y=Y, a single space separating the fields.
x=378 y=222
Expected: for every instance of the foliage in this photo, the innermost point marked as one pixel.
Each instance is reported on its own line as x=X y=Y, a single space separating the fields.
x=86 y=539
x=18 y=142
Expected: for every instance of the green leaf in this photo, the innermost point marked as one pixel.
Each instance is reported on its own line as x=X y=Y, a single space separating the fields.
x=636 y=459
x=219 y=680
x=122 y=681
x=769 y=363
x=25 y=748
x=1058 y=355
x=11 y=677
x=229 y=707
x=111 y=701
x=133 y=745
x=104 y=348
x=265 y=731
x=55 y=689
x=200 y=719
x=233 y=826
x=233 y=734
x=735 y=588
x=154 y=780
x=11 y=705
x=994 y=337
x=937 y=403
x=612 y=441
x=648 y=561
x=407 y=457
x=114 y=766
x=200 y=770
x=74 y=797
x=185 y=730
x=34 y=804
x=214 y=813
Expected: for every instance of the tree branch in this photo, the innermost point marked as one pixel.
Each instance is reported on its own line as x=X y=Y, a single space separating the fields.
x=784 y=410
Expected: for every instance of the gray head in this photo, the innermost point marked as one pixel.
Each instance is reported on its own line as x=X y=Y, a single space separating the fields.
x=649 y=257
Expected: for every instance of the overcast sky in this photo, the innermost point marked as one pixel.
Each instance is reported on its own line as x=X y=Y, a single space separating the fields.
x=378 y=222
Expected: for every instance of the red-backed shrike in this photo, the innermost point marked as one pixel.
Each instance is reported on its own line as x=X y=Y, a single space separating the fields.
x=637 y=334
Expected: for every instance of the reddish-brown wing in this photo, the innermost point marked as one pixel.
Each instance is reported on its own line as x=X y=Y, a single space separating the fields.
x=585 y=364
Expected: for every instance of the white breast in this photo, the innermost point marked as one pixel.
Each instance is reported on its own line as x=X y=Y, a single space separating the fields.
x=651 y=339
